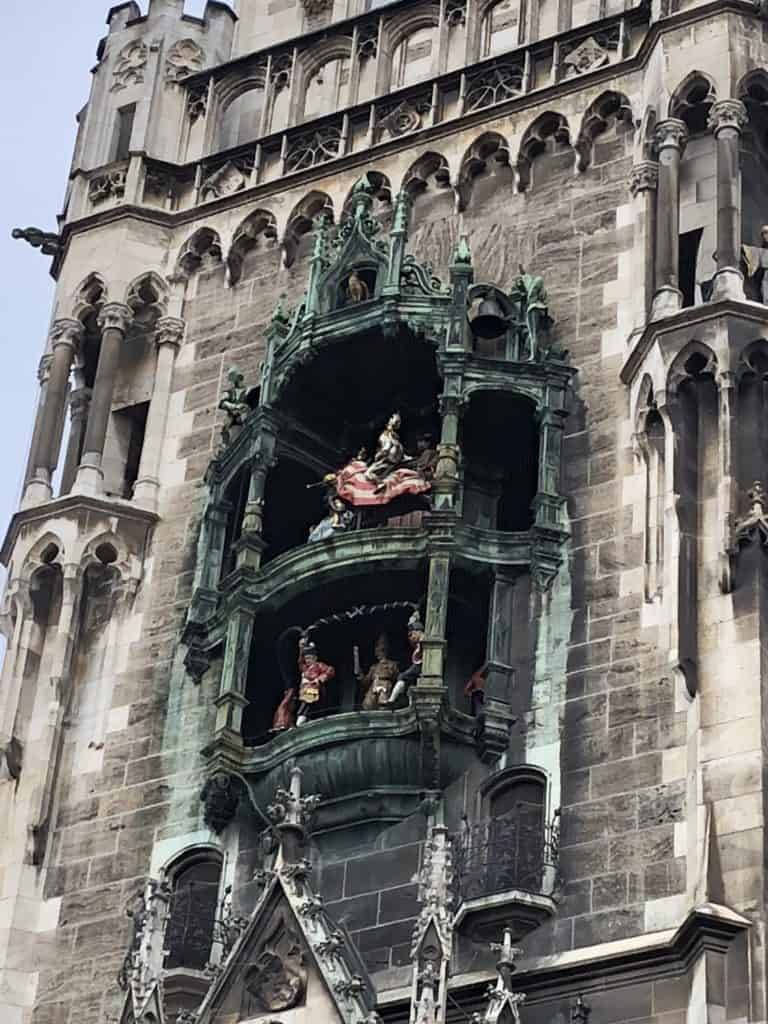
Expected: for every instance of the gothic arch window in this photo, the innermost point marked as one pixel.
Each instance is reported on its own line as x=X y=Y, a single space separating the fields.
x=546 y=138
x=692 y=100
x=485 y=170
x=195 y=880
x=414 y=55
x=255 y=236
x=297 y=240
x=241 y=117
x=201 y=252
x=326 y=87
x=610 y=112
x=503 y=27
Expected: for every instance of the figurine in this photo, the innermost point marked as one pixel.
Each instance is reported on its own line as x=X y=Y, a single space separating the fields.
x=357 y=289
x=314 y=676
x=380 y=677
x=425 y=460
x=530 y=294
x=406 y=679
x=339 y=517
x=234 y=404
x=389 y=452
x=285 y=716
x=475 y=689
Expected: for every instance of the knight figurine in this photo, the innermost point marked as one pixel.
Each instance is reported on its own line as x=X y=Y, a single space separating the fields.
x=234 y=404
x=407 y=678
x=530 y=295
x=378 y=681
x=314 y=676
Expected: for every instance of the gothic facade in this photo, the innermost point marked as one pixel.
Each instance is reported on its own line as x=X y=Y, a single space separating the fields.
x=384 y=609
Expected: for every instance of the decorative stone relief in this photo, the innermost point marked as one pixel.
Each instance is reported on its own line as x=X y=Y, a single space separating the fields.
x=644 y=177
x=224 y=181
x=494 y=84
x=456 y=13
x=588 y=56
x=313 y=148
x=404 y=118
x=197 y=102
x=104 y=186
x=220 y=795
x=278 y=979
x=184 y=58
x=314 y=8
x=130 y=64
x=503 y=1003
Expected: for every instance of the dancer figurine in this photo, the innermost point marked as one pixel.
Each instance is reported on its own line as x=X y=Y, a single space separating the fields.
x=315 y=674
x=407 y=678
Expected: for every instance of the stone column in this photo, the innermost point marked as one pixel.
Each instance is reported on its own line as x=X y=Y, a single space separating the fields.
x=497 y=712
x=726 y=487
x=232 y=700
x=169 y=334
x=726 y=120
x=670 y=139
x=43 y=373
x=65 y=337
x=79 y=403
x=113 y=320
x=643 y=182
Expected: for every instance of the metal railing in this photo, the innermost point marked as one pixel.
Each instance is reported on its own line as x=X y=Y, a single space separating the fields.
x=498 y=855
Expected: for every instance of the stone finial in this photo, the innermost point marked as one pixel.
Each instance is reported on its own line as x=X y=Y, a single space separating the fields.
x=500 y=996
x=644 y=177
x=670 y=134
x=115 y=316
x=169 y=330
x=462 y=254
x=727 y=115
x=292 y=816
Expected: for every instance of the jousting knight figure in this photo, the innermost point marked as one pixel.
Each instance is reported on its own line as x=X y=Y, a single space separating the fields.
x=315 y=675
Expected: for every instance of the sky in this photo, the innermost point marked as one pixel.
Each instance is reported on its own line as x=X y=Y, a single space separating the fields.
x=49 y=50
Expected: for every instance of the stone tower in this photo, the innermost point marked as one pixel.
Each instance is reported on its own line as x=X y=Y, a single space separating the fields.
x=385 y=604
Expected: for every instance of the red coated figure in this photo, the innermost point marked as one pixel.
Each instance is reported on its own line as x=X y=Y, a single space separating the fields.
x=314 y=676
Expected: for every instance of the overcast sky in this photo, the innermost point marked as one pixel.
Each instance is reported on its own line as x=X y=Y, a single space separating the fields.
x=50 y=47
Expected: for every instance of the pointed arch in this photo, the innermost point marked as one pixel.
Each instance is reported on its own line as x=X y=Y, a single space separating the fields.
x=147 y=296
x=47 y=550
x=301 y=221
x=257 y=226
x=753 y=87
x=692 y=99
x=202 y=250
x=696 y=359
x=381 y=186
x=320 y=90
x=429 y=169
x=609 y=107
x=489 y=148
x=549 y=128
x=89 y=296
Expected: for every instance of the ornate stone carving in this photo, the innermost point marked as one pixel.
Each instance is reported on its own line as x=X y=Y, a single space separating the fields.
x=500 y=996
x=169 y=330
x=753 y=526
x=402 y=119
x=102 y=186
x=313 y=148
x=115 y=316
x=727 y=114
x=225 y=181
x=44 y=368
x=587 y=56
x=644 y=177
x=129 y=66
x=433 y=935
x=66 y=332
x=499 y=82
x=48 y=242
x=184 y=58
x=314 y=8
x=368 y=42
x=197 y=102
x=220 y=795
x=290 y=808
x=670 y=134
x=282 y=68
x=456 y=13
x=142 y=966
x=277 y=980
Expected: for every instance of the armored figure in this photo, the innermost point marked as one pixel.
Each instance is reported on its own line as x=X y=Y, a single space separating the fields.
x=380 y=678
x=407 y=678
x=315 y=674
x=530 y=295
x=234 y=404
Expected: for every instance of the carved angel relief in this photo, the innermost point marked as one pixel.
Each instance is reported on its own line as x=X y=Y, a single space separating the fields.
x=277 y=978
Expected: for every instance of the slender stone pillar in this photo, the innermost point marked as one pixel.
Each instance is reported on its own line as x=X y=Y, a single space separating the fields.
x=169 y=333
x=643 y=183
x=113 y=320
x=65 y=337
x=43 y=373
x=670 y=139
x=726 y=120
x=497 y=710
x=79 y=403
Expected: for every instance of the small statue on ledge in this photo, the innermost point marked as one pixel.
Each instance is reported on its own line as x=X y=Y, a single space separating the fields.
x=390 y=453
x=357 y=290
x=315 y=674
x=407 y=678
x=475 y=689
x=530 y=295
x=234 y=404
x=380 y=678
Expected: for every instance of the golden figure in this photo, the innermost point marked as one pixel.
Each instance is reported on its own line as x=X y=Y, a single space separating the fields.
x=380 y=677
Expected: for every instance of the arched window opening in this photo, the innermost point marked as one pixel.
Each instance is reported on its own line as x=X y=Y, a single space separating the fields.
x=467 y=634
x=500 y=478
x=503 y=27
x=413 y=57
x=753 y=91
x=351 y=622
x=236 y=498
x=45 y=591
x=655 y=487
x=100 y=590
x=241 y=119
x=326 y=89
x=753 y=409
x=193 y=911
x=293 y=504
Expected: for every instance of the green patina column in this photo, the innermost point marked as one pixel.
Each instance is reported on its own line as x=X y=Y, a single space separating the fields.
x=497 y=711
x=250 y=544
x=231 y=699
x=398 y=238
x=548 y=502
